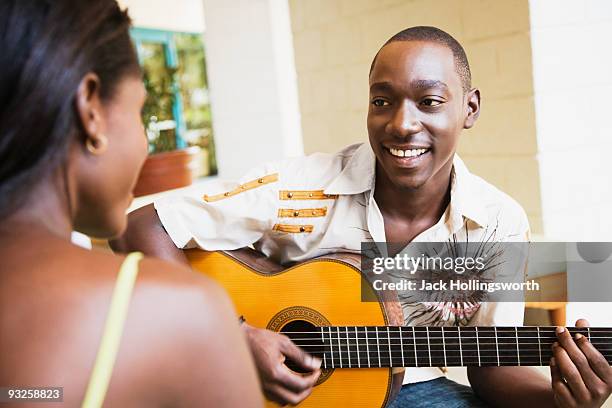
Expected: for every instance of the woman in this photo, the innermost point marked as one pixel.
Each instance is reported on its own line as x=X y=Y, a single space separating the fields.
x=71 y=146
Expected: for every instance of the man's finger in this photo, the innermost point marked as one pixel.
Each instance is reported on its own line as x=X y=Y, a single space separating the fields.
x=294 y=381
x=579 y=359
x=570 y=373
x=582 y=323
x=302 y=359
x=283 y=396
x=562 y=392
x=596 y=360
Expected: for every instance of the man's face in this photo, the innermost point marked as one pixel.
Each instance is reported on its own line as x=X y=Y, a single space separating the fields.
x=417 y=111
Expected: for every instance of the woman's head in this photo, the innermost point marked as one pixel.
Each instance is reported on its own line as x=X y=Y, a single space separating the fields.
x=70 y=105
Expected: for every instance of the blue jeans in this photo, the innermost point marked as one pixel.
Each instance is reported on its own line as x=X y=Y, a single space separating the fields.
x=438 y=393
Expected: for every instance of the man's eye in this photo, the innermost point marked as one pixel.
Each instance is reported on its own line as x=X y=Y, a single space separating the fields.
x=431 y=102
x=380 y=102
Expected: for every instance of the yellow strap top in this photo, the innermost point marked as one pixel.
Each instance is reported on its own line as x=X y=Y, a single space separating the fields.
x=113 y=329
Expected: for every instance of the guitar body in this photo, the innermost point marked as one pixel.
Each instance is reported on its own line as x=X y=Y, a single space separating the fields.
x=321 y=292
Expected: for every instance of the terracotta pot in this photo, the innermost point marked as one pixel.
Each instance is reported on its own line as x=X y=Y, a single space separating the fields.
x=167 y=170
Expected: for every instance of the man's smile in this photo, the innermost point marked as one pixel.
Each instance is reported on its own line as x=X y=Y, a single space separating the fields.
x=408 y=157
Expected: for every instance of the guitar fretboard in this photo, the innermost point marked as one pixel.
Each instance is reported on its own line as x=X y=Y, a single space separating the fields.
x=387 y=346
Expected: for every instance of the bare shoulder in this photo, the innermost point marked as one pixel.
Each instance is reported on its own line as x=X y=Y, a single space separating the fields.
x=179 y=284
x=183 y=330
x=182 y=340
x=178 y=324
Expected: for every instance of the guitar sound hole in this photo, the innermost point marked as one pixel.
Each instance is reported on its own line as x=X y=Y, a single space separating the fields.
x=306 y=336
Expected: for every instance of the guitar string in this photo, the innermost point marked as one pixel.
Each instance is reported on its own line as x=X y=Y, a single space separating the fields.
x=424 y=340
x=525 y=360
x=505 y=352
x=465 y=330
x=406 y=346
x=604 y=352
x=423 y=362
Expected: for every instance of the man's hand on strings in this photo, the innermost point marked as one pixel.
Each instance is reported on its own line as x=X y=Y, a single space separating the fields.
x=581 y=376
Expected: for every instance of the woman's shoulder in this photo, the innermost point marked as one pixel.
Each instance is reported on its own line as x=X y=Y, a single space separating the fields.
x=174 y=317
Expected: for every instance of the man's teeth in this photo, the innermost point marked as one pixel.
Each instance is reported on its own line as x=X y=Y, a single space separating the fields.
x=407 y=153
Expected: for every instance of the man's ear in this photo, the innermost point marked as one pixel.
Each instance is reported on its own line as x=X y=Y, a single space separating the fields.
x=89 y=109
x=473 y=108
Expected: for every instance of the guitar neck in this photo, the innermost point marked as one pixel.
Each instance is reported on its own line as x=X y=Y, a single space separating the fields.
x=387 y=346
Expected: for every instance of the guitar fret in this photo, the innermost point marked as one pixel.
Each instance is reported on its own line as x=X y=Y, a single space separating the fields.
x=389 y=344
x=529 y=346
x=367 y=346
x=469 y=347
x=453 y=354
x=357 y=344
x=487 y=347
x=402 y=346
x=339 y=349
x=436 y=347
x=460 y=347
x=589 y=333
x=496 y=345
x=478 y=347
x=378 y=346
x=444 y=347
x=348 y=348
x=540 y=346
x=416 y=360
x=518 y=354
x=428 y=344
x=331 y=347
x=323 y=341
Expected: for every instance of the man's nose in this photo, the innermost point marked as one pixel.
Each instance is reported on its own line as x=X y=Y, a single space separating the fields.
x=404 y=121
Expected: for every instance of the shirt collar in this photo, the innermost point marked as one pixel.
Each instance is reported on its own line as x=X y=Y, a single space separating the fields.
x=465 y=199
x=358 y=175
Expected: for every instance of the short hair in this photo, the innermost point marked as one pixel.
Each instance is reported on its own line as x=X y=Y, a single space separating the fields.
x=435 y=35
x=48 y=46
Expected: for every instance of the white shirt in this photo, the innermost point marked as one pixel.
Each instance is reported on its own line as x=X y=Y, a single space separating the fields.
x=310 y=206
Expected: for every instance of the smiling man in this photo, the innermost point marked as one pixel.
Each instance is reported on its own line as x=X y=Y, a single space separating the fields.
x=406 y=185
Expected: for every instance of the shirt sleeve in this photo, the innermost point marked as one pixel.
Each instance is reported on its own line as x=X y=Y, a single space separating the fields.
x=226 y=215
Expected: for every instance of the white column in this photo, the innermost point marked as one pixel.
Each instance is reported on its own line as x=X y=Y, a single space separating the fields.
x=572 y=61
x=251 y=73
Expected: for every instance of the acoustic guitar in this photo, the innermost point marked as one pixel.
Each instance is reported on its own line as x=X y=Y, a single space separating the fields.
x=363 y=345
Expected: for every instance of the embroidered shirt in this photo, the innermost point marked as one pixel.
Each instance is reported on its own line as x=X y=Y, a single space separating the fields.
x=306 y=207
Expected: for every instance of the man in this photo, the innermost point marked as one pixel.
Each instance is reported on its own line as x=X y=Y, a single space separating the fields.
x=406 y=186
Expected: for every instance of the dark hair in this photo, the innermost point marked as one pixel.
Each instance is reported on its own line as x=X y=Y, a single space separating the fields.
x=433 y=34
x=48 y=46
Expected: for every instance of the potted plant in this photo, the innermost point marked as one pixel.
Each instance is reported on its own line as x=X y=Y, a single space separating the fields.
x=168 y=166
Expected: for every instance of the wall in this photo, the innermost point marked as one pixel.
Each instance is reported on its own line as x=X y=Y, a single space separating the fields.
x=252 y=83
x=251 y=73
x=187 y=15
x=335 y=41
x=572 y=62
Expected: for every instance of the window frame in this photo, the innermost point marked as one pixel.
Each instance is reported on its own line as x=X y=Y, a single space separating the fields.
x=140 y=35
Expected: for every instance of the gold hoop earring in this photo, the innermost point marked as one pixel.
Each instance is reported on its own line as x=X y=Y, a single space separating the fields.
x=97 y=145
